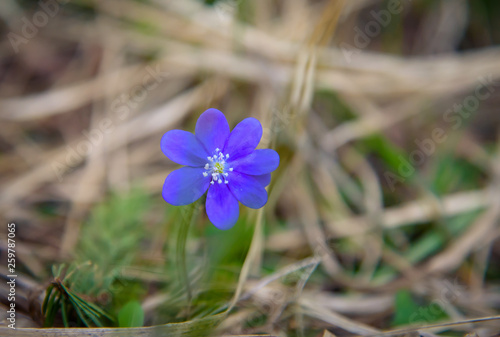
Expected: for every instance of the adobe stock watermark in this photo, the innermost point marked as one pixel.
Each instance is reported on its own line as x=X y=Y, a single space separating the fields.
x=30 y=27
x=226 y=9
x=281 y=118
x=373 y=28
x=120 y=110
x=449 y=294
x=455 y=117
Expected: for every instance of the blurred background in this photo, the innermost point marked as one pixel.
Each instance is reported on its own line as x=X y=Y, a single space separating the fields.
x=383 y=214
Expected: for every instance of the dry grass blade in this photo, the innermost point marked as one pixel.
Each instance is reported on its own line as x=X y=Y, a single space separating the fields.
x=475 y=237
x=313 y=310
x=62 y=100
x=493 y=319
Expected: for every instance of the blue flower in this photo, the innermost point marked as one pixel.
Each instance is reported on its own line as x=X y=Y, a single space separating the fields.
x=223 y=162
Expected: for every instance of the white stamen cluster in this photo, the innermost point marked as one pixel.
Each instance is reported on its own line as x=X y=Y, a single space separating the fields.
x=217 y=167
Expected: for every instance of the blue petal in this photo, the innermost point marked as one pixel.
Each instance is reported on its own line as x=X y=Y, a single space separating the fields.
x=185 y=186
x=264 y=179
x=222 y=207
x=183 y=148
x=212 y=130
x=248 y=190
x=244 y=138
x=257 y=163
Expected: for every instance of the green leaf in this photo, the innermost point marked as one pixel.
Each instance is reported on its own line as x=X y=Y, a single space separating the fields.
x=48 y=294
x=85 y=309
x=64 y=312
x=408 y=312
x=405 y=308
x=131 y=315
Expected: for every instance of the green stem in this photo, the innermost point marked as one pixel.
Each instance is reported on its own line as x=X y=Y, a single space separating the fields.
x=189 y=219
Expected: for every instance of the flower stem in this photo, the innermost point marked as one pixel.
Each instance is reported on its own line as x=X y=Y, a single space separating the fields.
x=190 y=214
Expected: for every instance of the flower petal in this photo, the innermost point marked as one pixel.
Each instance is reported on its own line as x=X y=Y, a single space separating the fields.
x=244 y=138
x=264 y=179
x=257 y=163
x=248 y=190
x=183 y=148
x=212 y=130
x=222 y=207
x=185 y=186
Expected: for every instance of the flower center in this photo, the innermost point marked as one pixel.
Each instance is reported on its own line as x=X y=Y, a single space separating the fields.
x=217 y=167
